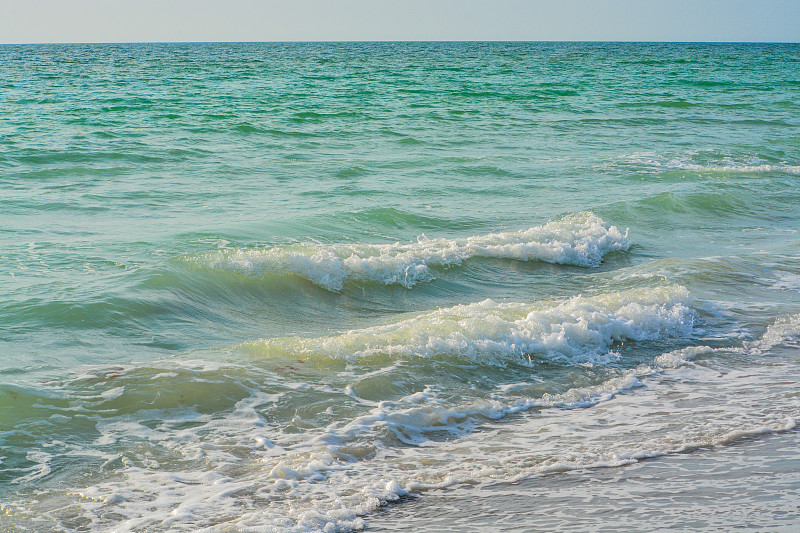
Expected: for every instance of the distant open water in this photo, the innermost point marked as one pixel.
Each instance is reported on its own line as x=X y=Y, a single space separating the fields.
x=272 y=287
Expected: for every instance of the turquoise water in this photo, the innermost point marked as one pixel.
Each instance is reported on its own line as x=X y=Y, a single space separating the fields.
x=276 y=286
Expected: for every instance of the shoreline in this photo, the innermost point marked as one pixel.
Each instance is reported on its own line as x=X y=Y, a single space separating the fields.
x=752 y=484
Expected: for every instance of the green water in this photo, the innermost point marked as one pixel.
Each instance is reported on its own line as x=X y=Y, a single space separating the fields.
x=274 y=286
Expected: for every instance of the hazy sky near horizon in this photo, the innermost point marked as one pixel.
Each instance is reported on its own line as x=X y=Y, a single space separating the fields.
x=47 y=21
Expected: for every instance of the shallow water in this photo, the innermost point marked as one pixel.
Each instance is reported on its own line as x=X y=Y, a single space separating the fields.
x=276 y=286
x=751 y=485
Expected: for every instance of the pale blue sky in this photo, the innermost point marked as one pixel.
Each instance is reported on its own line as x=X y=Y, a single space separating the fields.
x=37 y=21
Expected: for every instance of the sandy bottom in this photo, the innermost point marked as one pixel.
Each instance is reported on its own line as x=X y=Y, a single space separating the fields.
x=751 y=485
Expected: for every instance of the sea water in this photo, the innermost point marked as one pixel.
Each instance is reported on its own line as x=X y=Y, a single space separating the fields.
x=277 y=287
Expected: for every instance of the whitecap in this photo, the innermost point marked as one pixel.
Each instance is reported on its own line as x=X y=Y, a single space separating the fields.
x=581 y=239
x=579 y=330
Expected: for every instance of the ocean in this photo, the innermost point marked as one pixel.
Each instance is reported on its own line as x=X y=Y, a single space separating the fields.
x=306 y=286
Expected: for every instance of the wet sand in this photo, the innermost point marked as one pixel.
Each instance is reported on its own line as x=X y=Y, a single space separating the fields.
x=750 y=485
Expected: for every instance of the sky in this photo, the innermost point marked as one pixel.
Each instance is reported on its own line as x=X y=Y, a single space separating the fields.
x=48 y=21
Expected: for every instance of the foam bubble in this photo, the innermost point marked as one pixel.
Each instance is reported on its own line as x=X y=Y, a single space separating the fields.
x=582 y=239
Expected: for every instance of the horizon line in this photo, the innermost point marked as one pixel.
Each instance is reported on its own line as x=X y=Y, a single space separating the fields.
x=337 y=41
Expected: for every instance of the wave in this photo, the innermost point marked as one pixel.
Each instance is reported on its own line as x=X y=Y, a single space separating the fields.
x=783 y=332
x=651 y=162
x=332 y=476
x=579 y=330
x=739 y=169
x=582 y=239
x=413 y=418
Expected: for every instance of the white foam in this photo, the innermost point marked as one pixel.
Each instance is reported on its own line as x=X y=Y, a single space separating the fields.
x=579 y=330
x=40 y=468
x=681 y=357
x=738 y=168
x=617 y=433
x=784 y=331
x=581 y=239
x=220 y=479
x=557 y=443
x=786 y=281
x=234 y=469
x=413 y=418
x=657 y=163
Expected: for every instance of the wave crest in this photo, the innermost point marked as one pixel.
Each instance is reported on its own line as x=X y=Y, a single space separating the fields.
x=579 y=330
x=785 y=331
x=582 y=239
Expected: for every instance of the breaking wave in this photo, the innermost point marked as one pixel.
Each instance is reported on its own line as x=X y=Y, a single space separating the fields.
x=579 y=330
x=581 y=239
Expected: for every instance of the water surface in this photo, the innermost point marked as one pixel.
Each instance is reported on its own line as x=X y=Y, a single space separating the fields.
x=276 y=286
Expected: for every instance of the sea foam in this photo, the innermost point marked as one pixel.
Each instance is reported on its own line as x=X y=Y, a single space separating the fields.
x=579 y=330
x=785 y=331
x=581 y=239
x=652 y=162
